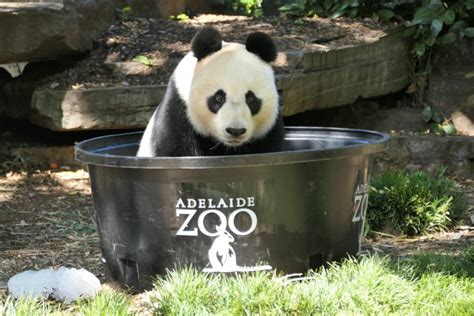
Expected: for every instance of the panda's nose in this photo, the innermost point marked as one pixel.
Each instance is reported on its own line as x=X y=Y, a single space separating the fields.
x=235 y=131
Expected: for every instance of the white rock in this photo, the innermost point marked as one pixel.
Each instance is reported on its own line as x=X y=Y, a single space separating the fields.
x=63 y=284
x=74 y=284
x=32 y=283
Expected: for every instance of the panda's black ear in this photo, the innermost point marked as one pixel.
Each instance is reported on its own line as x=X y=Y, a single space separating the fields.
x=261 y=45
x=207 y=41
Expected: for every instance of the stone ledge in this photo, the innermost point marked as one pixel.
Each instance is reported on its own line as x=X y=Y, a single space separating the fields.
x=94 y=109
x=341 y=86
x=392 y=44
x=429 y=153
x=340 y=77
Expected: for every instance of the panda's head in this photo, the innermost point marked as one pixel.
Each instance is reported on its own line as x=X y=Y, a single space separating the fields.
x=229 y=88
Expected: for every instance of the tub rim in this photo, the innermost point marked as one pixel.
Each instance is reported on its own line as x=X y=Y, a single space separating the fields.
x=379 y=142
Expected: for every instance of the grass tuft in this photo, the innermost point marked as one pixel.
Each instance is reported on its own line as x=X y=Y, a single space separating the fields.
x=104 y=304
x=414 y=203
x=26 y=306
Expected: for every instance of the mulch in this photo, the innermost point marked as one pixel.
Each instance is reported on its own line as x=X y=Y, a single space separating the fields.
x=47 y=221
x=165 y=42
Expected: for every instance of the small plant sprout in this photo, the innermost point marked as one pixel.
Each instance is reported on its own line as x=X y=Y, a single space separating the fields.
x=439 y=124
x=124 y=13
x=144 y=60
x=180 y=17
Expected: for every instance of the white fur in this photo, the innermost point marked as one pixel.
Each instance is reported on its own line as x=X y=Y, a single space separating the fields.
x=183 y=75
x=146 y=148
x=236 y=71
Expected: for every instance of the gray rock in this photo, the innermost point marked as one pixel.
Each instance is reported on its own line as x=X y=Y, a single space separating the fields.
x=340 y=77
x=106 y=108
x=429 y=152
x=37 y=30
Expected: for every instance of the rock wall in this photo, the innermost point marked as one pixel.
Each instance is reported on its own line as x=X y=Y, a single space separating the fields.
x=429 y=153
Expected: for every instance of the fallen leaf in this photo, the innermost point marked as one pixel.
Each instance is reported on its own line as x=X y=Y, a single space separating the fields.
x=412 y=88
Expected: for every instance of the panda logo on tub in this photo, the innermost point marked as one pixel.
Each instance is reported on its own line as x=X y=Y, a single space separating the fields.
x=221 y=99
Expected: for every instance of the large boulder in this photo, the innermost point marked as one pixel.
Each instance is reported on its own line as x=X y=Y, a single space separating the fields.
x=33 y=31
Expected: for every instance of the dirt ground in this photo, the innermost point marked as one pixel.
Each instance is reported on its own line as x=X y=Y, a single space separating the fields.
x=165 y=42
x=47 y=221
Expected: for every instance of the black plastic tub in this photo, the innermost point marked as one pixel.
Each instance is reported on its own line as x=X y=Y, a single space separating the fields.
x=291 y=210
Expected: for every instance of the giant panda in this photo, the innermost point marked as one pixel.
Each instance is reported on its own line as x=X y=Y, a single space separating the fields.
x=220 y=100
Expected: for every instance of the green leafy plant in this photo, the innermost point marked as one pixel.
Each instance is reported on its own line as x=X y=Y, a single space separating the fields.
x=414 y=203
x=124 y=13
x=435 y=24
x=180 y=17
x=384 y=15
x=325 y=8
x=246 y=7
x=143 y=59
x=439 y=23
x=439 y=124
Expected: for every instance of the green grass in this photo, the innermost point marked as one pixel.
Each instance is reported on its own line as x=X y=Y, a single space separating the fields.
x=371 y=286
x=414 y=203
x=425 y=284
x=104 y=304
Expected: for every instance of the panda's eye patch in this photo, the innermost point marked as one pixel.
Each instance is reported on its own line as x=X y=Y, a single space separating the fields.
x=253 y=102
x=215 y=102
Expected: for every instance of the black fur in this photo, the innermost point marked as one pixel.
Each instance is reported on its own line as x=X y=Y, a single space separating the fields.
x=177 y=136
x=213 y=104
x=207 y=41
x=261 y=45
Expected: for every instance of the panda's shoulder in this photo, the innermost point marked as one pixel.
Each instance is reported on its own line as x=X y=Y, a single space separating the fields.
x=183 y=75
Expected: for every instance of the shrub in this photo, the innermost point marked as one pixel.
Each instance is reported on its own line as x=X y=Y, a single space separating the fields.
x=246 y=7
x=414 y=203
